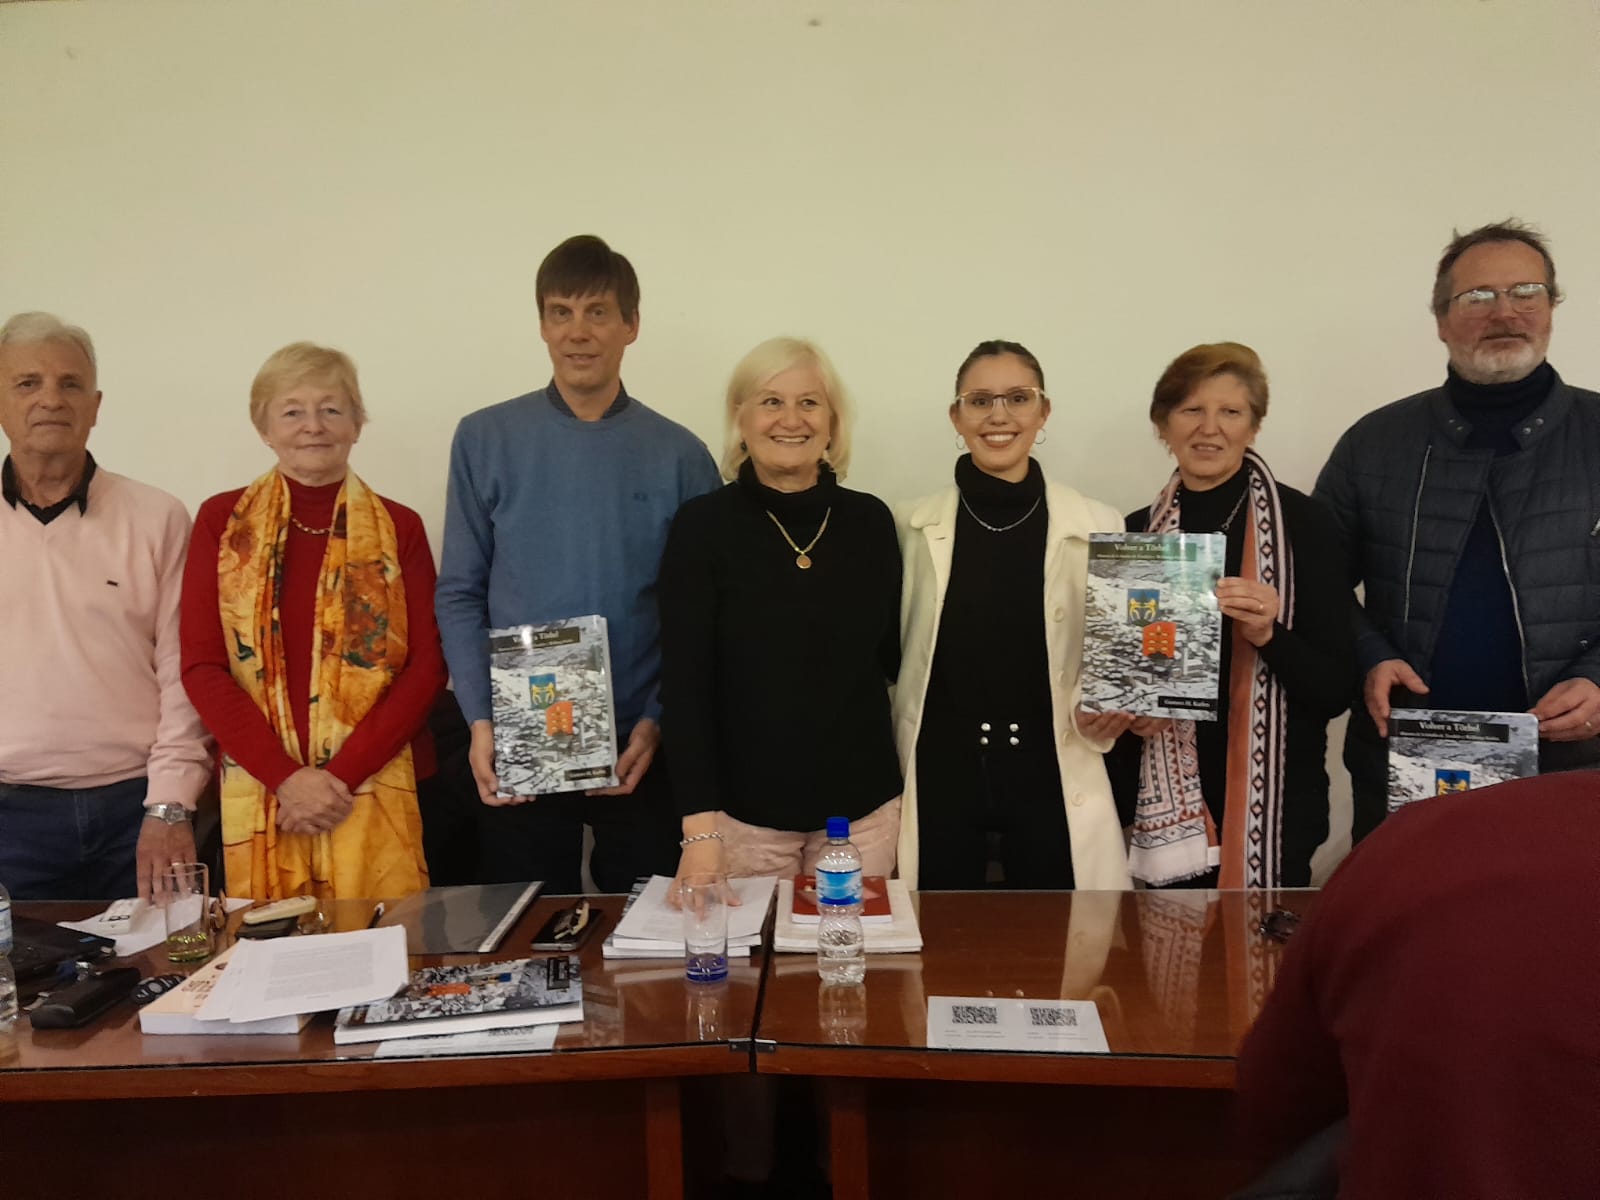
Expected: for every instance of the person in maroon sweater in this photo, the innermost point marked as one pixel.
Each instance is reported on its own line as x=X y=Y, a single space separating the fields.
x=1445 y=994
x=306 y=404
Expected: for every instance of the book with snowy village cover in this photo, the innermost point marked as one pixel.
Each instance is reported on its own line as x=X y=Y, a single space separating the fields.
x=1152 y=638
x=555 y=724
x=1434 y=752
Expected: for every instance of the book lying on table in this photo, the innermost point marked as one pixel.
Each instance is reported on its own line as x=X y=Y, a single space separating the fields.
x=555 y=725
x=1152 y=632
x=175 y=1011
x=651 y=928
x=464 y=999
x=901 y=935
x=874 y=901
x=467 y=919
x=1433 y=752
x=610 y=949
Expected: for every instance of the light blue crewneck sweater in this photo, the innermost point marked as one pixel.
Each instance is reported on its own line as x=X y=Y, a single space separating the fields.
x=547 y=517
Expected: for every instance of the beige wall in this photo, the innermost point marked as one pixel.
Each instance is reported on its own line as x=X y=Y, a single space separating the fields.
x=201 y=182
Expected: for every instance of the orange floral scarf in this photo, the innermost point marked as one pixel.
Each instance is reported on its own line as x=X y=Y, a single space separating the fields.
x=358 y=647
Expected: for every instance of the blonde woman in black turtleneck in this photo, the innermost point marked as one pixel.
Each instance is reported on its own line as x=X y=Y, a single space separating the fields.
x=996 y=752
x=780 y=603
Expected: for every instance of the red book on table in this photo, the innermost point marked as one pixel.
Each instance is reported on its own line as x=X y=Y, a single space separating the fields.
x=874 y=901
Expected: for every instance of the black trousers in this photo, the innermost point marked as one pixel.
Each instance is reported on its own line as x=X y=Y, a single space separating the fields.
x=972 y=796
x=543 y=839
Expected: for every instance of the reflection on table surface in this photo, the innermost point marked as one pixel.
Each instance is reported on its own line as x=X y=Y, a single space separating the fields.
x=1173 y=973
x=629 y=1005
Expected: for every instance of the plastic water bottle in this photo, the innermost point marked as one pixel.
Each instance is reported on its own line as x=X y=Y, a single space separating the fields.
x=8 y=977
x=841 y=951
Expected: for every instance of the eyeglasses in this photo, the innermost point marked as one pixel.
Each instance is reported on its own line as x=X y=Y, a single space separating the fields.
x=1523 y=297
x=1018 y=401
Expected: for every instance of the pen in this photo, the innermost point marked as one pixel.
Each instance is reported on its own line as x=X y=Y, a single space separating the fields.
x=377 y=915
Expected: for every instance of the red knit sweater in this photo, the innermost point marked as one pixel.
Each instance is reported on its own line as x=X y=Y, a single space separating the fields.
x=240 y=727
x=1445 y=992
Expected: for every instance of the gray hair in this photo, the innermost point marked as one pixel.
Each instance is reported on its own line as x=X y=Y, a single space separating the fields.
x=30 y=328
x=1509 y=230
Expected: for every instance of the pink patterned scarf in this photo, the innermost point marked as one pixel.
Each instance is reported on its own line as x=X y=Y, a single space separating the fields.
x=1174 y=837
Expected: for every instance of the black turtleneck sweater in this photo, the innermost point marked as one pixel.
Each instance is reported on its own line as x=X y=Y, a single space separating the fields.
x=774 y=680
x=1477 y=661
x=990 y=660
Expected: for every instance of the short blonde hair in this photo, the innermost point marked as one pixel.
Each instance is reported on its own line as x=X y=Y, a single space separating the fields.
x=31 y=328
x=298 y=363
x=773 y=357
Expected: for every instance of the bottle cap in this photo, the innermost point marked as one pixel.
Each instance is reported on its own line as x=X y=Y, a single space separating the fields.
x=838 y=827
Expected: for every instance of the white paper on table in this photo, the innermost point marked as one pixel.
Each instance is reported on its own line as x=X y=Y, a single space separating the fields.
x=523 y=1040
x=990 y=1023
x=312 y=973
x=147 y=926
x=653 y=918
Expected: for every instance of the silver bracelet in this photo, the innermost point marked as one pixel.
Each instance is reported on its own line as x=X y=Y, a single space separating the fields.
x=699 y=837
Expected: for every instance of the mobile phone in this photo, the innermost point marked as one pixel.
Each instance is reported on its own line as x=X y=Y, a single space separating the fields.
x=567 y=928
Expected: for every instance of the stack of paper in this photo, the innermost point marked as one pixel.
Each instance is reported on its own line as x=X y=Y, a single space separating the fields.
x=178 y=1011
x=144 y=928
x=285 y=977
x=900 y=936
x=652 y=928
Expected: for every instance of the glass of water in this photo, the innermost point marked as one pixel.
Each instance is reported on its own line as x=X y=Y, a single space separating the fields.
x=185 y=894
x=705 y=926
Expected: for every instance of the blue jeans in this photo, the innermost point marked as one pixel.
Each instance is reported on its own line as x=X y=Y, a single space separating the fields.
x=70 y=844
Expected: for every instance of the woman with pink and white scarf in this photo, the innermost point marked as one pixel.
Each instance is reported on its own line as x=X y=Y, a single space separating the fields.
x=1241 y=801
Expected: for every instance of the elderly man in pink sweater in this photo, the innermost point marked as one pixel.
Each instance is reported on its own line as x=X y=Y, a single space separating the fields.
x=101 y=756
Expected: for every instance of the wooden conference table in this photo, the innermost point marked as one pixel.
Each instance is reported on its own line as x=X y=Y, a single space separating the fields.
x=621 y=1106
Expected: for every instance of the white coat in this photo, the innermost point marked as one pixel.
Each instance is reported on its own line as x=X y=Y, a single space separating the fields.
x=927 y=545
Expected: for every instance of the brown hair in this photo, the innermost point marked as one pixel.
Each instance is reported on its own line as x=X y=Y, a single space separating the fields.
x=1200 y=363
x=993 y=349
x=586 y=266
x=1509 y=230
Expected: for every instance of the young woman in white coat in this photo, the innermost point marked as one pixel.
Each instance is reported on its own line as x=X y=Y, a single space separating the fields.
x=1001 y=764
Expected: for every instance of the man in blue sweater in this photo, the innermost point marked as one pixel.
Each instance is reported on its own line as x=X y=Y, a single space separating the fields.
x=1470 y=511
x=558 y=506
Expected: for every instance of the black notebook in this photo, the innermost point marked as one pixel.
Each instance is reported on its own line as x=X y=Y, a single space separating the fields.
x=40 y=947
x=461 y=920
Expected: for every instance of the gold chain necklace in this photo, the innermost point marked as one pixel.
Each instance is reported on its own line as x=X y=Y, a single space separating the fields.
x=303 y=528
x=802 y=557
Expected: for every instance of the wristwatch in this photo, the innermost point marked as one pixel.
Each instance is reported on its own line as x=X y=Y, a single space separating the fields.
x=167 y=814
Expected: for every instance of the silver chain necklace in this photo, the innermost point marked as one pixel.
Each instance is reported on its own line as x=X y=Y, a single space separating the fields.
x=999 y=528
x=1236 y=504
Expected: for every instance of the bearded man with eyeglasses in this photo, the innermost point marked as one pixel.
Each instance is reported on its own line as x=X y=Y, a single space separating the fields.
x=1473 y=515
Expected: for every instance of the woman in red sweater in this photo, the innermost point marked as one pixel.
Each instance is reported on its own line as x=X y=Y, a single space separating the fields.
x=311 y=653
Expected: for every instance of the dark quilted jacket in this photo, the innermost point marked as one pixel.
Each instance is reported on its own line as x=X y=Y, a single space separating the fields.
x=1405 y=491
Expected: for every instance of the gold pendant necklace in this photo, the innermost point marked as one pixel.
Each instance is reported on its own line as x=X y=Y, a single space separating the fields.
x=802 y=556
x=303 y=528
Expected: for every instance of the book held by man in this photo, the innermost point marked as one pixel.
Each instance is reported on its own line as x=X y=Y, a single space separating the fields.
x=469 y=998
x=1434 y=752
x=555 y=723
x=1152 y=636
